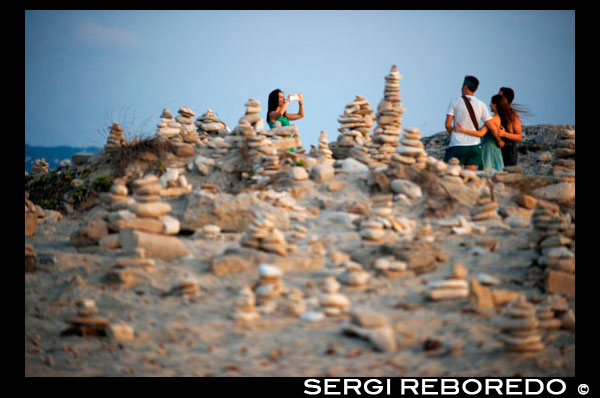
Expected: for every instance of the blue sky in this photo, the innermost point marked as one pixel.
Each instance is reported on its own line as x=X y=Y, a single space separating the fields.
x=85 y=69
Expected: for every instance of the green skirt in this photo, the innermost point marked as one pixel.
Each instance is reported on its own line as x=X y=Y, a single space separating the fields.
x=491 y=153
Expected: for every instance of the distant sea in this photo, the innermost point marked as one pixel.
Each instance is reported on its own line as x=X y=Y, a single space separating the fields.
x=53 y=155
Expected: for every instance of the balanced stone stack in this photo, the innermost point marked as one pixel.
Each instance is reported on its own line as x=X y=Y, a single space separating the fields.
x=245 y=310
x=554 y=236
x=332 y=302
x=115 y=138
x=454 y=286
x=270 y=286
x=40 y=167
x=411 y=152
x=295 y=304
x=546 y=315
x=518 y=328
x=209 y=124
x=252 y=116
x=389 y=119
x=210 y=232
x=117 y=198
x=30 y=216
x=425 y=233
x=390 y=267
x=187 y=129
x=355 y=123
x=564 y=162
x=373 y=229
x=174 y=183
x=452 y=172
x=323 y=151
x=86 y=322
x=149 y=212
x=167 y=128
x=262 y=234
x=353 y=275
x=485 y=208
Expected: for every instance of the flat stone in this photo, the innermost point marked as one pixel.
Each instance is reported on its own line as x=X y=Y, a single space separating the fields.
x=368 y=319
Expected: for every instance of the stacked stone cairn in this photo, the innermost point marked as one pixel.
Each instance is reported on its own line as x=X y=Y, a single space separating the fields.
x=295 y=304
x=353 y=274
x=411 y=152
x=117 y=198
x=373 y=228
x=332 y=302
x=390 y=267
x=209 y=125
x=210 y=232
x=454 y=286
x=40 y=167
x=86 y=322
x=30 y=216
x=187 y=129
x=270 y=286
x=425 y=233
x=147 y=213
x=126 y=270
x=245 y=309
x=546 y=316
x=452 y=173
x=174 y=183
x=485 y=208
x=115 y=138
x=519 y=327
x=389 y=119
x=262 y=234
x=554 y=236
x=564 y=162
x=167 y=128
x=323 y=152
x=355 y=123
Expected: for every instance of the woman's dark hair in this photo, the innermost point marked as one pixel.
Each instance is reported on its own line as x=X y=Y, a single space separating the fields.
x=273 y=102
x=509 y=94
x=506 y=113
x=471 y=82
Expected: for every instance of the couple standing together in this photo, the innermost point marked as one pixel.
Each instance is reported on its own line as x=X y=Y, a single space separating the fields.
x=493 y=145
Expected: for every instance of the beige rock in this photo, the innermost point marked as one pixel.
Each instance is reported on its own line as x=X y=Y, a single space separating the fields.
x=157 y=246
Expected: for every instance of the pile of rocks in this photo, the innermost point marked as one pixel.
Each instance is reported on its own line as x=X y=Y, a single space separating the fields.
x=452 y=172
x=389 y=119
x=270 y=286
x=30 y=216
x=355 y=123
x=454 y=286
x=372 y=327
x=390 y=267
x=332 y=302
x=187 y=128
x=39 y=167
x=564 y=162
x=519 y=327
x=411 y=152
x=174 y=183
x=262 y=234
x=323 y=152
x=353 y=274
x=167 y=128
x=252 y=116
x=373 y=228
x=126 y=271
x=117 y=198
x=485 y=208
x=245 y=310
x=546 y=316
x=86 y=322
x=210 y=232
x=554 y=236
x=209 y=124
x=425 y=233
x=295 y=304
x=115 y=138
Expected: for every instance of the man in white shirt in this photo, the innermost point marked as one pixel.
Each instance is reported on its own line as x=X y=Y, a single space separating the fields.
x=466 y=147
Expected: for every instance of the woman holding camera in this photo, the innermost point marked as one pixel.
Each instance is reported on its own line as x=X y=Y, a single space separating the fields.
x=277 y=109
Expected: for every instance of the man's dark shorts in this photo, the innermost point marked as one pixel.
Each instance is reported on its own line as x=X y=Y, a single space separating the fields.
x=469 y=155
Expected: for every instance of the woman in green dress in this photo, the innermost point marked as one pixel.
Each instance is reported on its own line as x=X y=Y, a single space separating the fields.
x=277 y=110
x=491 y=145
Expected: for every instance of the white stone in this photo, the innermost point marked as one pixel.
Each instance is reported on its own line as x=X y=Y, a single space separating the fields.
x=409 y=188
x=298 y=173
x=351 y=165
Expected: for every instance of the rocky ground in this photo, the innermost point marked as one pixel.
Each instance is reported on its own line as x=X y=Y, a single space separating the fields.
x=385 y=324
